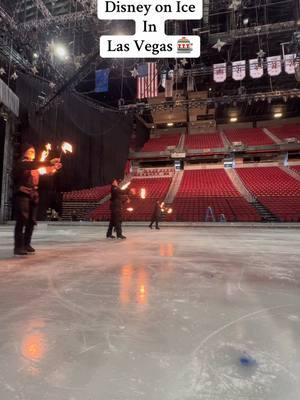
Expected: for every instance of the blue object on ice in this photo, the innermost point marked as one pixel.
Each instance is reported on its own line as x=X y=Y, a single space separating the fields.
x=247 y=360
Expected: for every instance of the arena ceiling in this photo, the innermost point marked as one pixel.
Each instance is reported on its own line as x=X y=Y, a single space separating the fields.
x=29 y=27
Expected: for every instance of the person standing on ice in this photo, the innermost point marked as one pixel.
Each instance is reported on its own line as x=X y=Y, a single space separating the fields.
x=27 y=172
x=118 y=197
x=156 y=215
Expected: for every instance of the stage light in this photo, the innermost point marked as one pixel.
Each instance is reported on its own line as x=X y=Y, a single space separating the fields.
x=61 y=52
x=277 y=115
x=170 y=124
x=233 y=119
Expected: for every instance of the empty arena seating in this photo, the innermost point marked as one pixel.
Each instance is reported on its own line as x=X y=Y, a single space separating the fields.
x=93 y=194
x=275 y=189
x=204 y=141
x=161 y=143
x=201 y=189
x=156 y=189
x=296 y=168
x=154 y=172
x=286 y=131
x=101 y=213
x=248 y=136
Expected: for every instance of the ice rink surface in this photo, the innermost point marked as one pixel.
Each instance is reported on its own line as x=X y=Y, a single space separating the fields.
x=175 y=314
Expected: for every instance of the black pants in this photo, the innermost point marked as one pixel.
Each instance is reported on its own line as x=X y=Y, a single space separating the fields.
x=156 y=220
x=115 y=222
x=26 y=214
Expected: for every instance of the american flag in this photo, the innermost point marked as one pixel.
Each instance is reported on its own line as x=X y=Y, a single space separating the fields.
x=147 y=81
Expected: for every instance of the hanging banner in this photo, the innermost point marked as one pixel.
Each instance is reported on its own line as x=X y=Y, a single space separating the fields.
x=220 y=73
x=163 y=78
x=274 y=65
x=289 y=64
x=256 y=68
x=169 y=88
x=190 y=84
x=101 y=80
x=238 y=70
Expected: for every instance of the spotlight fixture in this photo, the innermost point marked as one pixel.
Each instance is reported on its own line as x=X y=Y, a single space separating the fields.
x=61 y=52
x=277 y=115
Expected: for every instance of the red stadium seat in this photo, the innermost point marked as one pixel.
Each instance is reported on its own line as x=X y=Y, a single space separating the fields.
x=248 y=136
x=156 y=189
x=88 y=195
x=275 y=189
x=161 y=143
x=204 y=141
x=201 y=189
x=286 y=131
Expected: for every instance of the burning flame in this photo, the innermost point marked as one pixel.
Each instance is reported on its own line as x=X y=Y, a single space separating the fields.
x=143 y=193
x=125 y=186
x=45 y=153
x=42 y=171
x=170 y=210
x=67 y=147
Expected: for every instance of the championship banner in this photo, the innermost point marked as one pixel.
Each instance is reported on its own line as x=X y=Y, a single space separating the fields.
x=220 y=73
x=289 y=65
x=274 y=65
x=256 y=68
x=239 y=70
x=190 y=86
x=163 y=78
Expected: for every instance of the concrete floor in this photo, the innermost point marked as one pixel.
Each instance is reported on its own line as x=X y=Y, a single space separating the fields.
x=175 y=314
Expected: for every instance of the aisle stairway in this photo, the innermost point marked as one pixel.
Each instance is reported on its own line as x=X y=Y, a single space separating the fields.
x=173 y=189
x=236 y=180
x=266 y=214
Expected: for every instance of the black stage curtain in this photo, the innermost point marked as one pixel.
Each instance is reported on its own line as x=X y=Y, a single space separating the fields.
x=2 y=140
x=142 y=134
x=100 y=136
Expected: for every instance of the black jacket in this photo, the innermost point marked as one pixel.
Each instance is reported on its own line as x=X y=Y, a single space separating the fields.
x=23 y=173
x=157 y=211
x=118 y=197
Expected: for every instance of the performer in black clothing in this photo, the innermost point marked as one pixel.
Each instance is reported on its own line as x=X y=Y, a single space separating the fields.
x=118 y=197
x=156 y=215
x=26 y=176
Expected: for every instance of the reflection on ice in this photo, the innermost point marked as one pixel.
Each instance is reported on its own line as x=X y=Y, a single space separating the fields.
x=134 y=285
x=163 y=316
x=33 y=346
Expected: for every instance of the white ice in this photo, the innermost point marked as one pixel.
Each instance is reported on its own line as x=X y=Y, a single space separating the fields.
x=164 y=315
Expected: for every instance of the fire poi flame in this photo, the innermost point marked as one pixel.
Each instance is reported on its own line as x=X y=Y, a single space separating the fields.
x=125 y=186
x=170 y=210
x=67 y=147
x=130 y=209
x=45 y=152
x=42 y=170
x=143 y=193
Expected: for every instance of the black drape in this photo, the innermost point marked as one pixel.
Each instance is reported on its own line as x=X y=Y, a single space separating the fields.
x=2 y=140
x=100 y=136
